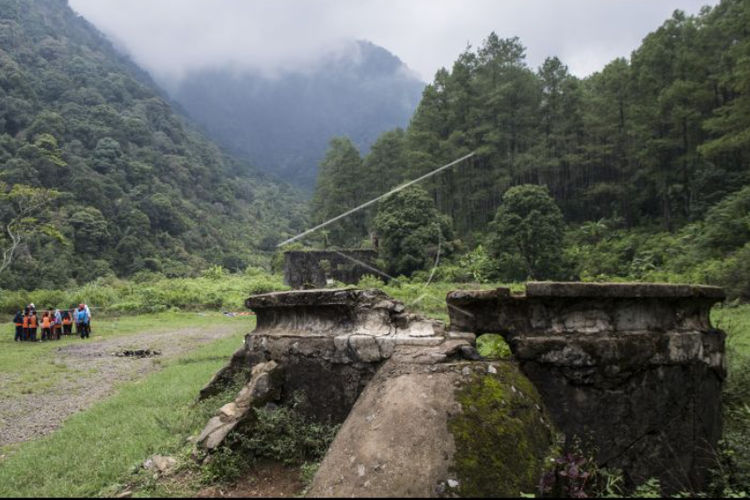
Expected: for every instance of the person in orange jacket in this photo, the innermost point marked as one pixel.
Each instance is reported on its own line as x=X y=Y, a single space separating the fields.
x=46 y=327
x=67 y=324
x=26 y=319
x=33 y=325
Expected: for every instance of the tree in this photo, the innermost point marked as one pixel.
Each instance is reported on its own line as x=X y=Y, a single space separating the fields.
x=528 y=239
x=411 y=230
x=341 y=187
x=727 y=226
x=22 y=213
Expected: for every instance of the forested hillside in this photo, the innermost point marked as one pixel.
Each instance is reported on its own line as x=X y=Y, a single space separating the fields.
x=123 y=183
x=282 y=123
x=647 y=159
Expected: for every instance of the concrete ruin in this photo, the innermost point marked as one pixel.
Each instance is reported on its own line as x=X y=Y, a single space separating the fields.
x=305 y=270
x=414 y=398
x=636 y=370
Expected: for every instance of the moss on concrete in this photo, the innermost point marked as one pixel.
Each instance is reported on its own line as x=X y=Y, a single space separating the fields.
x=502 y=435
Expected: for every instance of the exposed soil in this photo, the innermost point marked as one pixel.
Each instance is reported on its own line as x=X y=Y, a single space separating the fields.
x=95 y=373
x=264 y=481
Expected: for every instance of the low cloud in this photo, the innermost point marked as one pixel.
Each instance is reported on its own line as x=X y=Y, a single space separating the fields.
x=172 y=37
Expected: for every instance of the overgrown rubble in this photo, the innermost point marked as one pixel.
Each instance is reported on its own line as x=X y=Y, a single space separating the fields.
x=636 y=370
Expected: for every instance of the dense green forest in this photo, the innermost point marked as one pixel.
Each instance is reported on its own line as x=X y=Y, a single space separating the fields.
x=648 y=160
x=98 y=173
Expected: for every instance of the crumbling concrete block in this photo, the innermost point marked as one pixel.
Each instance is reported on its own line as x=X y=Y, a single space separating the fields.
x=635 y=368
x=264 y=387
x=426 y=432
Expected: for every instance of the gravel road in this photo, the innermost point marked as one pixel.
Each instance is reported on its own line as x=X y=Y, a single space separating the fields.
x=97 y=373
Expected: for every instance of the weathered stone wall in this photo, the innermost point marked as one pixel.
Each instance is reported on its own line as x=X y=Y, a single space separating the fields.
x=333 y=341
x=422 y=416
x=313 y=269
x=635 y=369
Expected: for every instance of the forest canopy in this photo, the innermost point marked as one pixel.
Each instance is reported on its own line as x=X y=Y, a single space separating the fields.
x=650 y=149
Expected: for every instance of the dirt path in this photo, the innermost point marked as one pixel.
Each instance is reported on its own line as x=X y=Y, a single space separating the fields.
x=263 y=481
x=95 y=373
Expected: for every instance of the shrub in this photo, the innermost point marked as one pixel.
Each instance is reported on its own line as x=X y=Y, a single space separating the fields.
x=529 y=233
x=285 y=435
x=152 y=293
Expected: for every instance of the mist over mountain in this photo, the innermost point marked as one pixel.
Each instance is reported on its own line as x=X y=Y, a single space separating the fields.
x=283 y=122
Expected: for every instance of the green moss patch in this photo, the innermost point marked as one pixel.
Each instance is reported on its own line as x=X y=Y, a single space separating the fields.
x=502 y=435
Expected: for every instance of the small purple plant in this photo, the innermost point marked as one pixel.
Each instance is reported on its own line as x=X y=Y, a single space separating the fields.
x=568 y=479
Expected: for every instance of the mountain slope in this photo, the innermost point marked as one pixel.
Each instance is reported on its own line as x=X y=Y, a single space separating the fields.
x=142 y=190
x=283 y=123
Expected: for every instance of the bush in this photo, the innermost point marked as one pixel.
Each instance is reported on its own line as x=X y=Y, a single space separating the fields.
x=285 y=435
x=282 y=435
x=493 y=347
x=152 y=293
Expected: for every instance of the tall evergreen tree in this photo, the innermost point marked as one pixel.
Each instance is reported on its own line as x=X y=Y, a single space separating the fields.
x=341 y=188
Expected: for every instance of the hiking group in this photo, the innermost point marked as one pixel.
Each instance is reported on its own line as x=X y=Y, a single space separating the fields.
x=53 y=324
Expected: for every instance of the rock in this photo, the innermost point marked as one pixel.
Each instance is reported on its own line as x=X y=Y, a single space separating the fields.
x=425 y=442
x=160 y=464
x=470 y=353
x=125 y=494
x=229 y=412
x=366 y=348
x=264 y=388
x=216 y=438
x=226 y=375
x=212 y=425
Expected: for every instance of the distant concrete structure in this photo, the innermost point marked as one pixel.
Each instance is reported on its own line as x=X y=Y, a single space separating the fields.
x=307 y=270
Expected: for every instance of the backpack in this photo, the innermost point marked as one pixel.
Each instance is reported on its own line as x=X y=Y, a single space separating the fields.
x=82 y=316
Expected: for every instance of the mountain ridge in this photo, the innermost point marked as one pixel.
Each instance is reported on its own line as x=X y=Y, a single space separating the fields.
x=282 y=123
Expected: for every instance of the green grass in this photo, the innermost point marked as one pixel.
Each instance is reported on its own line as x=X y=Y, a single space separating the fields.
x=95 y=450
x=428 y=299
x=736 y=322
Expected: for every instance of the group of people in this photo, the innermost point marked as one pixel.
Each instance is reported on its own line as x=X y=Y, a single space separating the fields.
x=32 y=326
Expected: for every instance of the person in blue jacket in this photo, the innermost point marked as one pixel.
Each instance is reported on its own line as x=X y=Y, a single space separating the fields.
x=83 y=319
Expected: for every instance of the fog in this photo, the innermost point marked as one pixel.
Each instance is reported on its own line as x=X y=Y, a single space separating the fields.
x=172 y=37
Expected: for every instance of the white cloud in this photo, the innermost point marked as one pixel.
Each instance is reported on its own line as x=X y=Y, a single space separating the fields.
x=170 y=37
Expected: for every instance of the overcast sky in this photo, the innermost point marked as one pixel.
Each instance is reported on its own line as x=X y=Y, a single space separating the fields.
x=170 y=37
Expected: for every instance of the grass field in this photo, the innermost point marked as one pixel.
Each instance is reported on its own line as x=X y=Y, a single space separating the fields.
x=95 y=450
